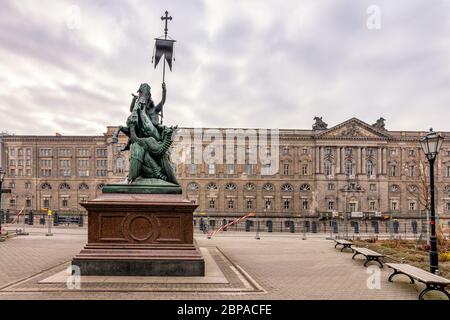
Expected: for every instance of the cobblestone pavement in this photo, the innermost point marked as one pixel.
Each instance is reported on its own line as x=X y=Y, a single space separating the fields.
x=285 y=266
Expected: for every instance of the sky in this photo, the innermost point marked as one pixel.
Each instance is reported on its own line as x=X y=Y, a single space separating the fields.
x=70 y=67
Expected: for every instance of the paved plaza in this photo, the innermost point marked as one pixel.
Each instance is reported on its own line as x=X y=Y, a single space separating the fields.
x=278 y=266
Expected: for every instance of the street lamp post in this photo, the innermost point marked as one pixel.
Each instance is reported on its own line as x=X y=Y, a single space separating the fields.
x=431 y=144
x=2 y=176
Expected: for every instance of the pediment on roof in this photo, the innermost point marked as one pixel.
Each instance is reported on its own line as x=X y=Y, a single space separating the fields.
x=353 y=129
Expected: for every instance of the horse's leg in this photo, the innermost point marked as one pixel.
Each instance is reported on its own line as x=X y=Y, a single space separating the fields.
x=115 y=136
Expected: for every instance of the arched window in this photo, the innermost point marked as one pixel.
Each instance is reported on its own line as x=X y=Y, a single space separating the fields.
x=100 y=186
x=395 y=188
x=268 y=187
x=83 y=186
x=212 y=186
x=369 y=168
x=328 y=169
x=349 y=168
x=46 y=186
x=413 y=188
x=64 y=186
x=230 y=186
x=305 y=187
x=287 y=187
x=193 y=186
x=120 y=163
x=249 y=187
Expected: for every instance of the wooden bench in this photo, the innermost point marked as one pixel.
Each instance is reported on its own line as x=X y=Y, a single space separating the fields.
x=344 y=244
x=369 y=254
x=432 y=281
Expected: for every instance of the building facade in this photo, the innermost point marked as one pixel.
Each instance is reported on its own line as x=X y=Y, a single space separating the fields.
x=353 y=167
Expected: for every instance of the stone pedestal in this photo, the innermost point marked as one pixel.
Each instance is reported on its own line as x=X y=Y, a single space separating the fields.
x=140 y=235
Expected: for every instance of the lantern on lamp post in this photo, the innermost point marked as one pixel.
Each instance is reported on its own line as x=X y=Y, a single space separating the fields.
x=431 y=144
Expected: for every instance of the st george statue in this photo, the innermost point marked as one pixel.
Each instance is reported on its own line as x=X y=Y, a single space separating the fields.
x=149 y=141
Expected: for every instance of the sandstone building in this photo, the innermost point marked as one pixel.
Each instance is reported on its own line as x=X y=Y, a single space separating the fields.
x=322 y=172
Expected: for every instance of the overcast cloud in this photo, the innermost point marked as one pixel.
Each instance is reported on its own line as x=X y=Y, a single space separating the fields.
x=270 y=64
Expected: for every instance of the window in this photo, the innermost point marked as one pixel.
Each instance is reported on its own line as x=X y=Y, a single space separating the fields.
x=373 y=187
x=249 y=169
x=412 y=206
x=230 y=186
x=393 y=170
x=83 y=152
x=330 y=205
x=64 y=152
x=64 y=172
x=212 y=186
x=12 y=185
x=330 y=186
x=83 y=173
x=12 y=152
x=372 y=205
x=65 y=203
x=394 y=205
x=120 y=163
x=268 y=187
x=28 y=203
x=28 y=152
x=64 y=186
x=28 y=162
x=46 y=203
x=45 y=152
x=230 y=168
x=212 y=168
x=286 y=203
x=64 y=163
x=393 y=151
x=99 y=173
x=328 y=151
x=100 y=186
x=395 y=188
x=193 y=186
x=46 y=186
x=83 y=163
x=305 y=169
x=12 y=202
x=28 y=172
x=83 y=187
x=287 y=187
x=286 y=150
x=101 y=153
x=369 y=168
x=46 y=172
x=305 y=187
x=348 y=151
x=212 y=203
x=305 y=204
x=349 y=168
x=46 y=163
x=249 y=204
x=412 y=152
x=369 y=151
x=327 y=168
x=20 y=152
x=250 y=187
x=266 y=169
x=100 y=163
x=305 y=150
x=411 y=171
x=412 y=188
x=286 y=169
x=268 y=204
x=230 y=204
x=27 y=185
x=193 y=168
x=447 y=171
x=20 y=162
x=352 y=207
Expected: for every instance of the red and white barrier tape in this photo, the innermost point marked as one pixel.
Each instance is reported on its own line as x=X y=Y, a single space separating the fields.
x=231 y=223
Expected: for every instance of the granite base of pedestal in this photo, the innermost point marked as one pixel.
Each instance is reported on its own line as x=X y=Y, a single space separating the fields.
x=140 y=235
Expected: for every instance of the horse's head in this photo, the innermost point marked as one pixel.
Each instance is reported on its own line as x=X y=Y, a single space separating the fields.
x=144 y=94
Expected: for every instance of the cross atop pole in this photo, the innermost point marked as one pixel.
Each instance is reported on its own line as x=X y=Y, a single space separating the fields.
x=165 y=19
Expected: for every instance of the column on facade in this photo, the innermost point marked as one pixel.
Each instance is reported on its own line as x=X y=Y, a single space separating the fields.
x=358 y=160
x=342 y=160
x=338 y=160
x=317 y=159
x=384 y=160
x=379 y=161
x=320 y=159
x=363 y=160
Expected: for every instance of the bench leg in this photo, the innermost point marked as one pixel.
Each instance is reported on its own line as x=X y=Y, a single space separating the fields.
x=375 y=259
x=398 y=272
x=431 y=287
x=356 y=253
x=336 y=245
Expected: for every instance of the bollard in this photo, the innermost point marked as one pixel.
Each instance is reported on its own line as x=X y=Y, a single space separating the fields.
x=292 y=227
x=30 y=218
x=269 y=225
x=80 y=220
